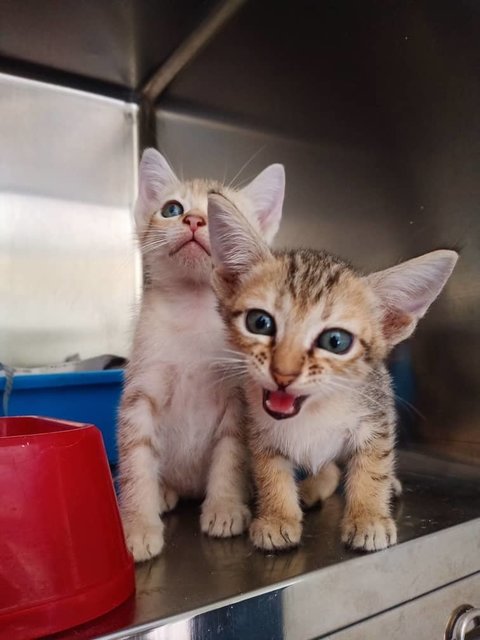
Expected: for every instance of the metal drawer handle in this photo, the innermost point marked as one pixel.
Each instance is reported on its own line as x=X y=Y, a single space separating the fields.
x=460 y=621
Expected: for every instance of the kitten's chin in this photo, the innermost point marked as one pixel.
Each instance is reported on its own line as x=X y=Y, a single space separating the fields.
x=195 y=269
x=282 y=405
x=191 y=248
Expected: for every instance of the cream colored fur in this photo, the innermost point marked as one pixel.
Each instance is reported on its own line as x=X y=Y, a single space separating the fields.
x=180 y=418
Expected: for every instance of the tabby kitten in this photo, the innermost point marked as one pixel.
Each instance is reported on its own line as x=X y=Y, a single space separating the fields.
x=315 y=334
x=180 y=415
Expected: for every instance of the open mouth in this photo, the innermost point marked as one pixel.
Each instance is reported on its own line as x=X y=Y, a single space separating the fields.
x=191 y=241
x=281 y=405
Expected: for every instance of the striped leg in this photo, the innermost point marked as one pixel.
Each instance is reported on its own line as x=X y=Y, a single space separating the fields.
x=367 y=524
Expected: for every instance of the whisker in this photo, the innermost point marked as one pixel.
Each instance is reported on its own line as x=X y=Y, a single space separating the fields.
x=245 y=165
x=409 y=406
x=236 y=353
x=346 y=387
x=234 y=368
x=227 y=359
x=229 y=366
x=150 y=245
x=224 y=379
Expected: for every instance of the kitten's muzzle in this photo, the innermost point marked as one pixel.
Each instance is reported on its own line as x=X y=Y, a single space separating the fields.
x=284 y=379
x=195 y=239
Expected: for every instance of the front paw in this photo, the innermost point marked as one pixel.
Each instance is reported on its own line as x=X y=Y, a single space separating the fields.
x=315 y=489
x=224 y=518
x=168 y=499
x=397 y=488
x=145 y=541
x=369 y=533
x=275 y=534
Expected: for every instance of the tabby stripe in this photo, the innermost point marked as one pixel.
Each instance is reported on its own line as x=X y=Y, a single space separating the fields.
x=382 y=477
x=384 y=454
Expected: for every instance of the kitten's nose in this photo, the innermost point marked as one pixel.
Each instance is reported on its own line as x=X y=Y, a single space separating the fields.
x=284 y=379
x=194 y=221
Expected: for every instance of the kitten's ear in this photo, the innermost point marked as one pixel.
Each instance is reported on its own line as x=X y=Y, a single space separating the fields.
x=407 y=290
x=155 y=175
x=234 y=243
x=266 y=193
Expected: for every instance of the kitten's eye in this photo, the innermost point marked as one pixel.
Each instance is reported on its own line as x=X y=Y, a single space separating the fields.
x=337 y=341
x=172 y=209
x=259 y=321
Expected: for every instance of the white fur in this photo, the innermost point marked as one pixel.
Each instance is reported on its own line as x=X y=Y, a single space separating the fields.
x=174 y=361
x=323 y=431
x=225 y=510
x=236 y=245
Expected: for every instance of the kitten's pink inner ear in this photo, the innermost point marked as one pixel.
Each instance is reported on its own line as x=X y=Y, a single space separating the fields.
x=407 y=290
x=155 y=175
x=397 y=325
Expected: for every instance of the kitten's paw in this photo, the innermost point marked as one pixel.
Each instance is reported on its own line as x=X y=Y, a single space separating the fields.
x=144 y=541
x=368 y=533
x=168 y=499
x=397 y=488
x=321 y=486
x=224 y=518
x=274 y=534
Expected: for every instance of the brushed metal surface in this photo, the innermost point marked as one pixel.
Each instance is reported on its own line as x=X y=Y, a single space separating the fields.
x=68 y=267
x=424 y=618
x=190 y=47
x=202 y=588
x=120 y=42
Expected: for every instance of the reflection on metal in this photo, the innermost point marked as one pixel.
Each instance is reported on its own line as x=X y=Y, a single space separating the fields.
x=318 y=210
x=68 y=268
x=176 y=631
x=189 y=48
x=111 y=46
x=469 y=621
x=224 y=589
x=419 y=619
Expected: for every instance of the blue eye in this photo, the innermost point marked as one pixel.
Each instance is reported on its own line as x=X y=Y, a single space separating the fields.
x=259 y=321
x=172 y=209
x=336 y=341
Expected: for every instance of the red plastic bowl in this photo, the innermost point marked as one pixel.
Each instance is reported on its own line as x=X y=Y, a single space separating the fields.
x=63 y=559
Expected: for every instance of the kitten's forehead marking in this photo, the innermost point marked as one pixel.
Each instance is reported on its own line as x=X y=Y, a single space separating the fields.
x=307 y=292
x=312 y=276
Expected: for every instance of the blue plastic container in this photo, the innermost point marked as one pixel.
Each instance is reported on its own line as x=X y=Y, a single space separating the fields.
x=84 y=396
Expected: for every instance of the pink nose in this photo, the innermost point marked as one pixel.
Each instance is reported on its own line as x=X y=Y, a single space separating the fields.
x=194 y=221
x=284 y=379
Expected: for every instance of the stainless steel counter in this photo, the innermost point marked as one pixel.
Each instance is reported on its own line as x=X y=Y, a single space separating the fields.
x=204 y=588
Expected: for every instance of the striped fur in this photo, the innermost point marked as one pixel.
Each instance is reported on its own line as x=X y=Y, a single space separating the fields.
x=349 y=410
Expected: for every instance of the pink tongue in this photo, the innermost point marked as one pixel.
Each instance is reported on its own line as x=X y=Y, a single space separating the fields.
x=281 y=402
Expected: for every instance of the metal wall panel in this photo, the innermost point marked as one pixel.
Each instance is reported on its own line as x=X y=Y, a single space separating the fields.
x=352 y=200
x=68 y=269
x=120 y=42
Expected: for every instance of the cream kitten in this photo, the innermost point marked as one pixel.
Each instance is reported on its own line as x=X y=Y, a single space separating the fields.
x=180 y=414
x=315 y=334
